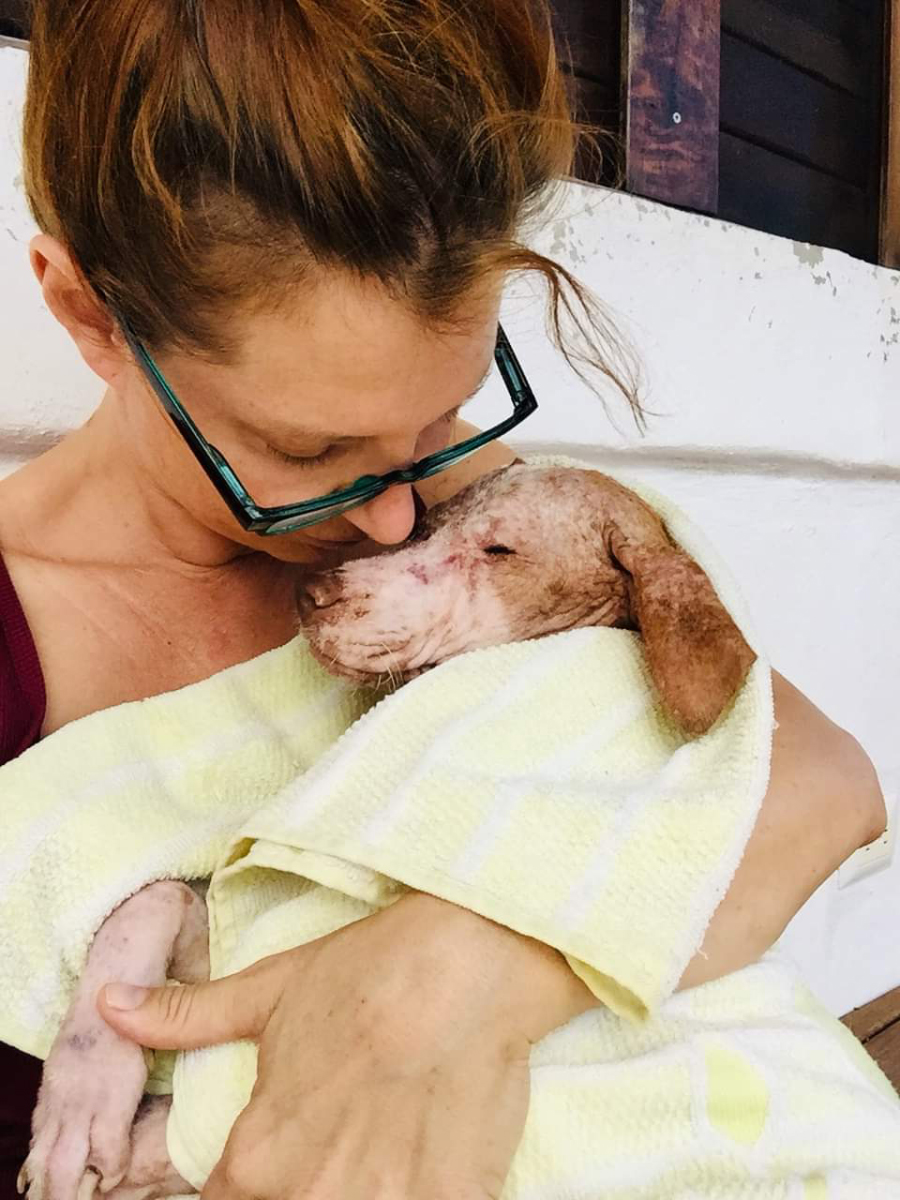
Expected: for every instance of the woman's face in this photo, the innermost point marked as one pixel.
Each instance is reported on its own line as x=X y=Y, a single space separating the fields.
x=350 y=386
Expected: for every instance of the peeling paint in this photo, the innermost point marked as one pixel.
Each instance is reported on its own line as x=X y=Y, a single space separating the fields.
x=808 y=254
x=826 y=278
x=561 y=230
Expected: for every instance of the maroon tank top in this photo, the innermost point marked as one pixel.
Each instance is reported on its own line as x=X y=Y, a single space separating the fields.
x=22 y=705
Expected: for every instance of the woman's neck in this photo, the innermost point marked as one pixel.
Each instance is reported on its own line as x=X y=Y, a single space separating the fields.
x=88 y=500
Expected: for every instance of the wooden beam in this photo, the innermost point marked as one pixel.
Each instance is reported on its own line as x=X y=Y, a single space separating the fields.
x=889 y=240
x=671 y=101
x=885 y=1049
x=588 y=36
x=600 y=157
x=875 y=1017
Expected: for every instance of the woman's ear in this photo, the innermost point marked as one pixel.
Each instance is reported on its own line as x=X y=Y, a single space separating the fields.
x=77 y=309
x=697 y=656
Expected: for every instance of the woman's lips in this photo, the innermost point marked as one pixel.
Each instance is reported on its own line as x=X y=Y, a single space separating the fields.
x=337 y=543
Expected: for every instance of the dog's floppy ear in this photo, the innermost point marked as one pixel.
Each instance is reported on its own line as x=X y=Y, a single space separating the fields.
x=696 y=654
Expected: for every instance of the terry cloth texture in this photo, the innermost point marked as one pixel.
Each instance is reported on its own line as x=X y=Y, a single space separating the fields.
x=538 y=784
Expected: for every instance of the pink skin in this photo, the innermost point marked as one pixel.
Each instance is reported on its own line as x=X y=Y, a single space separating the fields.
x=84 y=1133
x=521 y=553
x=487 y=566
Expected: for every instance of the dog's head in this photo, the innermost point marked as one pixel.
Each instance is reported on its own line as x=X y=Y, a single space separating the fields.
x=524 y=552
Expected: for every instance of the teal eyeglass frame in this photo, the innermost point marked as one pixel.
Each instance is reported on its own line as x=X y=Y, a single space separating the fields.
x=285 y=518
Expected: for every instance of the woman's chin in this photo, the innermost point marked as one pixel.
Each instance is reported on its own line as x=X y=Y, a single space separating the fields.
x=305 y=552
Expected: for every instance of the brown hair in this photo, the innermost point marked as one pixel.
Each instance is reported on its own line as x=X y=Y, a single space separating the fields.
x=200 y=158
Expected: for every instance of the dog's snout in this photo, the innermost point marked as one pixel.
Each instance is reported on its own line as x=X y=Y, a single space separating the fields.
x=321 y=591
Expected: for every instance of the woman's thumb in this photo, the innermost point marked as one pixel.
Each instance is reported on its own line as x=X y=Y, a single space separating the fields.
x=198 y=1014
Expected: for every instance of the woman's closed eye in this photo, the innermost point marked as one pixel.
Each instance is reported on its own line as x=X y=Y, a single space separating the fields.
x=334 y=451
x=307 y=460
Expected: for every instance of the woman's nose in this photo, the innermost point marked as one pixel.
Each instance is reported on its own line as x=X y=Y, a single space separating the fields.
x=390 y=517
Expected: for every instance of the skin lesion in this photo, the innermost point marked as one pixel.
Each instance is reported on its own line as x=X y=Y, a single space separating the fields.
x=82 y=1042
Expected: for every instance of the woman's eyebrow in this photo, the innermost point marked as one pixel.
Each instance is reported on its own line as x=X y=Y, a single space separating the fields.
x=339 y=439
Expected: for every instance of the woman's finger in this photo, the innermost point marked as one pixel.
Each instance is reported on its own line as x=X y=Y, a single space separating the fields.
x=201 y=1014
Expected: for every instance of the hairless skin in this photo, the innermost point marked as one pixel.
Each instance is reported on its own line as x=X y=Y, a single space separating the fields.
x=521 y=553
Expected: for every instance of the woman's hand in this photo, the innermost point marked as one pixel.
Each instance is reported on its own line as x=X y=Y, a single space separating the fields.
x=393 y=1055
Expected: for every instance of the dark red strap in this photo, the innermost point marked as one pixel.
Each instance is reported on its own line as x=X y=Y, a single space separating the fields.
x=23 y=700
x=22 y=705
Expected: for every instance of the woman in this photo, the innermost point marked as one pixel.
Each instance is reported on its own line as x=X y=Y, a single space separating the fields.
x=306 y=209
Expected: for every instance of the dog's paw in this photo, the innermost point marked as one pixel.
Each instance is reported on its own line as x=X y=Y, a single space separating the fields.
x=150 y=1174
x=81 y=1129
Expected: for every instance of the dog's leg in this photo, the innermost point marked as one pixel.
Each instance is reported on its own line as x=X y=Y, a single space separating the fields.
x=93 y=1078
x=150 y=1174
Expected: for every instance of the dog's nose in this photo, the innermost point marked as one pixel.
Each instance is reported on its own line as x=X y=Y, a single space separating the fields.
x=319 y=592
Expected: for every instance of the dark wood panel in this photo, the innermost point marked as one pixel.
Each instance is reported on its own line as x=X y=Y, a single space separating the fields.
x=889 y=253
x=875 y=1016
x=766 y=191
x=885 y=1049
x=671 y=101
x=768 y=102
x=589 y=35
x=869 y=8
x=14 y=18
x=601 y=159
x=823 y=37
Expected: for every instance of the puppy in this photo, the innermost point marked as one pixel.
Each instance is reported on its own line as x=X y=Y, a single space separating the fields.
x=521 y=553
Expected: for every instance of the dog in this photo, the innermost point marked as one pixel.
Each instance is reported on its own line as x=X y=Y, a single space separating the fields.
x=521 y=553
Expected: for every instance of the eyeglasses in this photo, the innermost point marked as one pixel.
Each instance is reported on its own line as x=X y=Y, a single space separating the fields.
x=285 y=518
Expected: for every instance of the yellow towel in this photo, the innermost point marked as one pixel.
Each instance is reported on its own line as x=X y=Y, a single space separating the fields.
x=539 y=784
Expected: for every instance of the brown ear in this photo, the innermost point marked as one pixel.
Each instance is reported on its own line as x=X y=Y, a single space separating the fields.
x=697 y=656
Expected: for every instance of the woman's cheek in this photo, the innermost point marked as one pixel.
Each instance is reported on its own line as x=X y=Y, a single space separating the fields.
x=435 y=438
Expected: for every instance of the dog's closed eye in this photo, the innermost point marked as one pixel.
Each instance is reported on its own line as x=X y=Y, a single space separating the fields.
x=498 y=550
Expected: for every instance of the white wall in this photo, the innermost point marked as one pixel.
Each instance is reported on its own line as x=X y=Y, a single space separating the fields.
x=776 y=368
